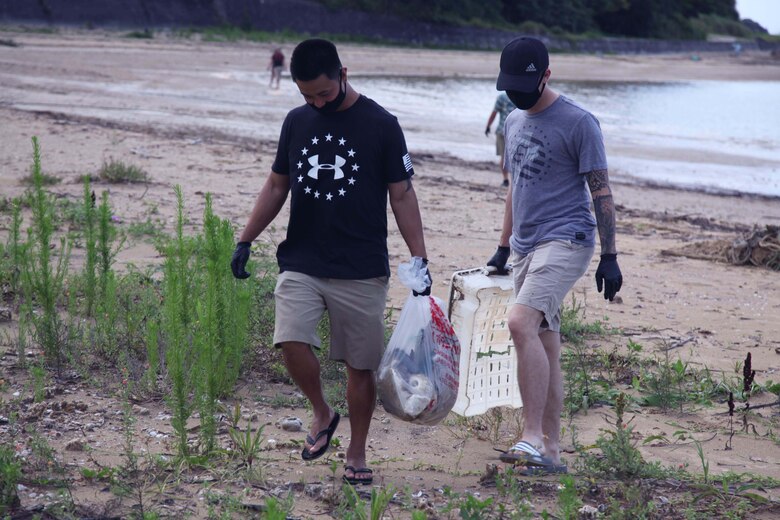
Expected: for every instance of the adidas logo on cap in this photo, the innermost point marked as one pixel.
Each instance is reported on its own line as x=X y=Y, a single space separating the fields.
x=530 y=68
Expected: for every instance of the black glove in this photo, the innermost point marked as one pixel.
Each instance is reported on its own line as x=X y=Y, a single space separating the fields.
x=608 y=274
x=499 y=259
x=427 y=291
x=240 y=258
x=487 y=131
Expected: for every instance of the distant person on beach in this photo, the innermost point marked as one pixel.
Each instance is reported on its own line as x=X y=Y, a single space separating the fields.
x=555 y=154
x=340 y=157
x=276 y=66
x=503 y=107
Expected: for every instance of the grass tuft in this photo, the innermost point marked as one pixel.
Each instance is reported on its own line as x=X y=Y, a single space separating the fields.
x=119 y=172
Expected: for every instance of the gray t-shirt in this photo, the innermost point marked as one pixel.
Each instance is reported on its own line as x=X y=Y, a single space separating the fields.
x=548 y=155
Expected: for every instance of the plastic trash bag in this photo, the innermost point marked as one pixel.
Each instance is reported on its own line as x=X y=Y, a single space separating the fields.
x=418 y=375
x=414 y=274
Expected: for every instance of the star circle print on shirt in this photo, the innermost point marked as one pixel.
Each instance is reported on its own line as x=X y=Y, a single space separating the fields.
x=327 y=158
x=531 y=158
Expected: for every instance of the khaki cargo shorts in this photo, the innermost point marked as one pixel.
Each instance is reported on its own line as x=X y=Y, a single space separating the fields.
x=356 y=309
x=500 y=145
x=544 y=277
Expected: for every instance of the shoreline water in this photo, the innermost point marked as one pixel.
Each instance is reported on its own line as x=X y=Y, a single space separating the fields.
x=225 y=93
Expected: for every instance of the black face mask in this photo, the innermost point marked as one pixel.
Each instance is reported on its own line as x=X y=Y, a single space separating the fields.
x=526 y=100
x=332 y=106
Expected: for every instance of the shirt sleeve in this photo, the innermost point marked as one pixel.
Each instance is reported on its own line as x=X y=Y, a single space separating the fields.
x=589 y=145
x=397 y=161
x=281 y=163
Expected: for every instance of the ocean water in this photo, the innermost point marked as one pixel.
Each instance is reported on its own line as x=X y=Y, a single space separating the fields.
x=718 y=136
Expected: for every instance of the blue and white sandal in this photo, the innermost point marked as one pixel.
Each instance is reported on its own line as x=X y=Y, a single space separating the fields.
x=524 y=453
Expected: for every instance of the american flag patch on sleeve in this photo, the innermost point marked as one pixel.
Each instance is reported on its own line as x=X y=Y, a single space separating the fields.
x=407 y=162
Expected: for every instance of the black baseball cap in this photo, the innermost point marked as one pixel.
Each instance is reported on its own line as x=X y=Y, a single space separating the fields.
x=523 y=61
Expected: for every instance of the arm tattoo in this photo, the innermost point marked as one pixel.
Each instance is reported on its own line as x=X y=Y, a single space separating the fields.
x=598 y=180
x=604 y=207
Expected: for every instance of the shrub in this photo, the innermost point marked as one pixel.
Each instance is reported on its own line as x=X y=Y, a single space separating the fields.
x=117 y=172
x=43 y=281
x=10 y=472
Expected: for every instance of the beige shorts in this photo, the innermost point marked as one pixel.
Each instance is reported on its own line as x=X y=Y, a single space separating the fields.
x=544 y=276
x=356 y=309
x=500 y=145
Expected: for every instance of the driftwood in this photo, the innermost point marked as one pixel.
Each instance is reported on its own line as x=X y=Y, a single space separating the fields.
x=759 y=248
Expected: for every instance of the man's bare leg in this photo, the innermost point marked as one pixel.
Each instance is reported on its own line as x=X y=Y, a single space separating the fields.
x=533 y=370
x=304 y=368
x=361 y=400
x=551 y=420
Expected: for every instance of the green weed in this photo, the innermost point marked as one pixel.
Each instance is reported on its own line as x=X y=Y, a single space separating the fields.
x=285 y=401
x=276 y=509
x=10 y=473
x=38 y=374
x=43 y=280
x=89 y=273
x=619 y=456
x=115 y=171
x=152 y=354
x=574 y=328
x=511 y=489
x=14 y=250
x=107 y=248
x=245 y=444
x=569 y=501
x=44 y=179
x=472 y=508
x=490 y=425
x=147 y=228
x=666 y=384
x=222 y=325
x=177 y=315
x=632 y=502
x=733 y=495
x=354 y=509
x=587 y=374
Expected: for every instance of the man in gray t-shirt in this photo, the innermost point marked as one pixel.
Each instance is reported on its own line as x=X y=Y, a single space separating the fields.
x=555 y=155
x=502 y=107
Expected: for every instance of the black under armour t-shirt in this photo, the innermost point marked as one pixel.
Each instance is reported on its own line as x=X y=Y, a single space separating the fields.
x=339 y=166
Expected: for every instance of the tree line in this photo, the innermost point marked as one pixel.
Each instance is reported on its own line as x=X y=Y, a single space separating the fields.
x=673 y=19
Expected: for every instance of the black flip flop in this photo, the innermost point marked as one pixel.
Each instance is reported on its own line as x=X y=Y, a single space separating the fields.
x=307 y=454
x=354 y=480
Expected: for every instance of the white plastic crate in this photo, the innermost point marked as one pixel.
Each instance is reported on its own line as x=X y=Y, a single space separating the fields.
x=478 y=309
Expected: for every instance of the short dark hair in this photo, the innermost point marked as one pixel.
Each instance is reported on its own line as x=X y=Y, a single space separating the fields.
x=314 y=57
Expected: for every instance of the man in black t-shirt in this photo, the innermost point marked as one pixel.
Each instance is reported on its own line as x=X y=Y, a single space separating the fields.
x=339 y=157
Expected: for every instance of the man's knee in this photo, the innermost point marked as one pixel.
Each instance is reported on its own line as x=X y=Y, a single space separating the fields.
x=294 y=348
x=360 y=375
x=524 y=323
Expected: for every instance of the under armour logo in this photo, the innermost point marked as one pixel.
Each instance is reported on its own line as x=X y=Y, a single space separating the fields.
x=530 y=68
x=316 y=167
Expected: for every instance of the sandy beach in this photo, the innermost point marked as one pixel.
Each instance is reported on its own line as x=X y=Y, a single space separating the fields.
x=706 y=313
